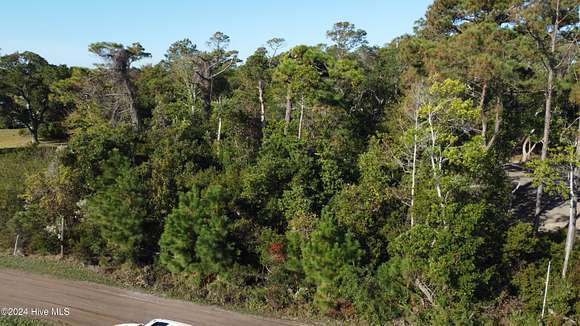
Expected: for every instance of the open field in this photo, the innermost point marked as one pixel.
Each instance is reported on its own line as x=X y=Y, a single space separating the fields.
x=12 y=138
x=15 y=138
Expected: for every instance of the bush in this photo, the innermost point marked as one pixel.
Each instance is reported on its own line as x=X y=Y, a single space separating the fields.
x=15 y=167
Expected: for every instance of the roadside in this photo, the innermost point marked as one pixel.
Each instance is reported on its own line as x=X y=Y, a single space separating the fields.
x=97 y=304
x=21 y=321
x=59 y=271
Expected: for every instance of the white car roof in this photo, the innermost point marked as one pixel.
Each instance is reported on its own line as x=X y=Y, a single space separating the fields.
x=169 y=322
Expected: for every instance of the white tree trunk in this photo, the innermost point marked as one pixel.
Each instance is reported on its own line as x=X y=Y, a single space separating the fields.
x=414 y=169
x=219 y=131
x=547 y=117
x=546 y=289
x=301 y=117
x=570 y=237
x=434 y=166
x=261 y=98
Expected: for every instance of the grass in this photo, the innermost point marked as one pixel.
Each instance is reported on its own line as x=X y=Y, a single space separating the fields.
x=22 y=321
x=12 y=138
x=16 y=138
x=75 y=271
x=52 y=266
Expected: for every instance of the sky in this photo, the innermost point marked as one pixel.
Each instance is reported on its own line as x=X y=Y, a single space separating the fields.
x=61 y=30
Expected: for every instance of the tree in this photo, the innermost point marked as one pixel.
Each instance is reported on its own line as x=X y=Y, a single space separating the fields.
x=213 y=64
x=330 y=260
x=120 y=211
x=448 y=117
x=557 y=173
x=118 y=60
x=552 y=27
x=346 y=37
x=25 y=89
x=181 y=60
x=298 y=71
x=196 y=234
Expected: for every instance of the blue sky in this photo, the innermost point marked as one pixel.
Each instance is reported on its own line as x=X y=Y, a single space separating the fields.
x=61 y=30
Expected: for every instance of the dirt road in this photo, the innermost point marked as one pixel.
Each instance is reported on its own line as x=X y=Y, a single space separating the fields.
x=93 y=304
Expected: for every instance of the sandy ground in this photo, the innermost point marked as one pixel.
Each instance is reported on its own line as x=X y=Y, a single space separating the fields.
x=93 y=304
x=555 y=210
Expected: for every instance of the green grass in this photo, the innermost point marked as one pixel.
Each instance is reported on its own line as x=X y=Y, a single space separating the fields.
x=22 y=321
x=16 y=138
x=12 y=138
x=52 y=266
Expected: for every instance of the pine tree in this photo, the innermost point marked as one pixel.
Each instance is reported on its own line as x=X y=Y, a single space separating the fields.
x=120 y=210
x=330 y=259
x=196 y=235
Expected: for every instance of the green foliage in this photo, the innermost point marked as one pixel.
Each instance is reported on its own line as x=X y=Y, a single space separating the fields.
x=120 y=210
x=15 y=166
x=392 y=204
x=196 y=234
x=330 y=259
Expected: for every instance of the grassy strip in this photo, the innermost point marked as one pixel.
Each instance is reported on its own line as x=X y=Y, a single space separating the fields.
x=10 y=138
x=67 y=270
x=17 y=138
x=22 y=321
x=72 y=270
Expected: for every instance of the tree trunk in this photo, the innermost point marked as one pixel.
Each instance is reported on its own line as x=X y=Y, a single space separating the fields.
x=301 y=117
x=545 y=144
x=219 y=131
x=547 y=118
x=414 y=170
x=288 y=115
x=482 y=113
x=62 y=237
x=570 y=237
x=33 y=135
x=497 y=123
x=433 y=164
x=135 y=118
x=261 y=98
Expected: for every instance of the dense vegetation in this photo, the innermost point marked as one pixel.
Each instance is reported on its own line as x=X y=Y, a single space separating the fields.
x=343 y=180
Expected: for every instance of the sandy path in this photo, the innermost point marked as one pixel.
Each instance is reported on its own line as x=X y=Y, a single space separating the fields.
x=555 y=212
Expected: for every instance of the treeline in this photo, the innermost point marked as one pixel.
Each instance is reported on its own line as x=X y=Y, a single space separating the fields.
x=347 y=180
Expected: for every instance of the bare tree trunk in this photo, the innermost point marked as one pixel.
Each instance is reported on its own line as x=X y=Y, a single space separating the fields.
x=524 y=157
x=219 y=131
x=261 y=98
x=135 y=118
x=433 y=165
x=571 y=221
x=414 y=169
x=301 y=117
x=33 y=125
x=497 y=123
x=62 y=237
x=288 y=115
x=547 y=119
x=482 y=113
x=33 y=135
x=16 y=245
x=545 y=144
x=546 y=289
